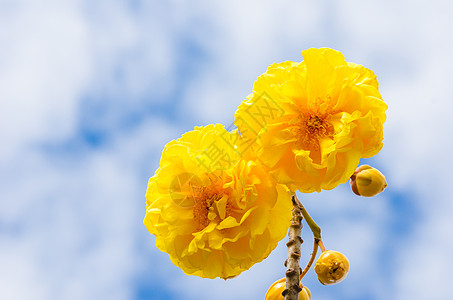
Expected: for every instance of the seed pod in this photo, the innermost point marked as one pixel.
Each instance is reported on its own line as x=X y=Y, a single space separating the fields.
x=331 y=267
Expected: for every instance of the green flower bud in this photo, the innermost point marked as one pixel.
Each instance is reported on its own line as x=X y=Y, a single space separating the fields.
x=367 y=181
x=331 y=267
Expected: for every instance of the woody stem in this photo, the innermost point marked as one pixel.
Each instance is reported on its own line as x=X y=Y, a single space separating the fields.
x=293 y=270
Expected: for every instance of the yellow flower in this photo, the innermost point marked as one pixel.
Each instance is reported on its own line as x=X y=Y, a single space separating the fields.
x=313 y=121
x=276 y=289
x=214 y=214
x=331 y=267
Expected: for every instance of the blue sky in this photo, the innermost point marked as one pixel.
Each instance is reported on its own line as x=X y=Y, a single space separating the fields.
x=91 y=91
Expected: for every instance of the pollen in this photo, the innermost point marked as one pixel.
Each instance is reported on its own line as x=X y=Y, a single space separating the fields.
x=204 y=209
x=313 y=126
x=318 y=126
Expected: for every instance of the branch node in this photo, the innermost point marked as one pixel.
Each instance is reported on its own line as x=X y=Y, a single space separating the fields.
x=297 y=288
x=290 y=243
x=290 y=272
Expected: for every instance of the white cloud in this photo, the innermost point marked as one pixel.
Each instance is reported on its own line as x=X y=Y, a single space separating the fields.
x=55 y=54
x=45 y=64
x=424 y=262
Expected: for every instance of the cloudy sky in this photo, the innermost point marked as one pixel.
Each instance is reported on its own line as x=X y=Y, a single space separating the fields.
x=91 y=91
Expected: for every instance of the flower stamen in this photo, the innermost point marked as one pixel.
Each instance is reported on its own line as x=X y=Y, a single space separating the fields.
x=206 y=205
x=313 y=126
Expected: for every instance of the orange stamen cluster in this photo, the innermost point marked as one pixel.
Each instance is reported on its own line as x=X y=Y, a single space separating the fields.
x=313 y=126
x=204 y=198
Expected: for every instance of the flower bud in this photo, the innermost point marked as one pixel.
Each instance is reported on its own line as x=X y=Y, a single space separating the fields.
x=367 y=181
x=277 y=288
x=331 y=267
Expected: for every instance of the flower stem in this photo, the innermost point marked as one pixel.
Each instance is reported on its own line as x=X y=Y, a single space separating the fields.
x=312 y=258
x=293 y=269
x=312 y=224
x=321 y=244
